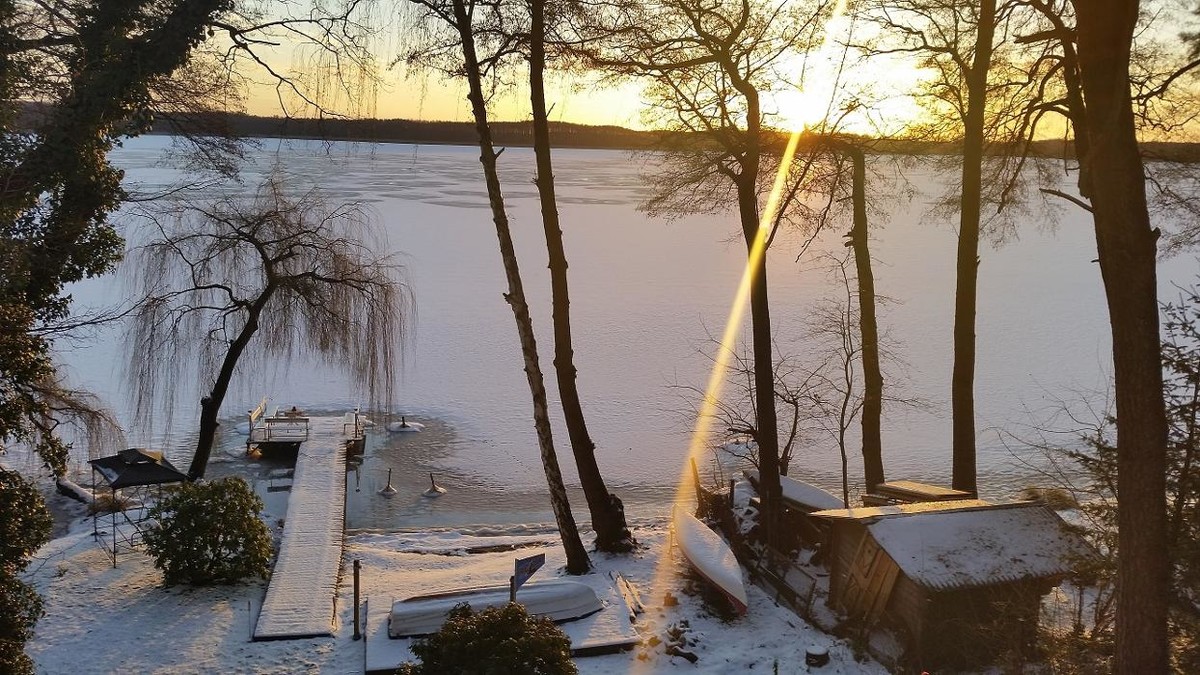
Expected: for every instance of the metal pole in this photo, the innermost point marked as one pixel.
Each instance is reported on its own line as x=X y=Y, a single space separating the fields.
x=512 y=589
x=357 y=631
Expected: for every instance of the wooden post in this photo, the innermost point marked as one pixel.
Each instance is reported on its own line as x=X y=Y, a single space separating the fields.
x=357 y=631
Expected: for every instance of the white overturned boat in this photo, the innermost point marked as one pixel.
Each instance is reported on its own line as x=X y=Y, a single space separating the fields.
x=805 y=496
x=711 y=557
x=559 y=600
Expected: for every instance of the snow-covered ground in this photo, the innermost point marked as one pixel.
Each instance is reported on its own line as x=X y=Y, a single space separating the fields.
x=102 y=620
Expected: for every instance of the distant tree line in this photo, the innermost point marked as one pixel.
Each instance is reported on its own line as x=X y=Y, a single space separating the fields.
x=563 y=134
x=569 y=135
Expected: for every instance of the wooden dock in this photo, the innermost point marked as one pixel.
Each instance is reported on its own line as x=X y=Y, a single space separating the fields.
x=303 y=589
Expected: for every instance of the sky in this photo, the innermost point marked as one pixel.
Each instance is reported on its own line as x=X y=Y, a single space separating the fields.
x=425 y=95
x=884 y=85
x=432 y=96
x=582 y=100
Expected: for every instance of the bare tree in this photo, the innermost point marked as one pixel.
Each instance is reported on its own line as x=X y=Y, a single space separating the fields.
x=801 y=391
x=976 y=95
x=836 y=325
x=1095 y=52
x=275 y=275
x=458 y=17
x=858 y=241
x=708 y=66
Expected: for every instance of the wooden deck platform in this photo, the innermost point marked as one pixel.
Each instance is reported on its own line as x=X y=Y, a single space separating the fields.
x=909 y=491
x=300 y=598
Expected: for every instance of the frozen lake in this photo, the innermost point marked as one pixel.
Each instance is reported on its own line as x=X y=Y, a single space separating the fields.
x=645 y=296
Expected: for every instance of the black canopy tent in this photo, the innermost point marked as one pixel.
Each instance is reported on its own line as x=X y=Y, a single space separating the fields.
x=133 y=470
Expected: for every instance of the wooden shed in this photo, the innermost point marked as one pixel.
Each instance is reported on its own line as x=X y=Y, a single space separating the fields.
x=955 y=584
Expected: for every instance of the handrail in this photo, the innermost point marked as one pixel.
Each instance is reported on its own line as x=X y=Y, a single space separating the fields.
x=258 y=412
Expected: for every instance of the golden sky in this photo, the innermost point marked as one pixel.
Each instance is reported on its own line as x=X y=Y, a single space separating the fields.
x=425 y=95
x=434 y=97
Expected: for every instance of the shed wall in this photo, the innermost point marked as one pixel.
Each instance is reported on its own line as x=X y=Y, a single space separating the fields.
x=844 y=540
x=973 y=627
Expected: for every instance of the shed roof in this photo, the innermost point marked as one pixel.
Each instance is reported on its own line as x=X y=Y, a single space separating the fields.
x=971 y=546
x=137 y=466
x=866 y=513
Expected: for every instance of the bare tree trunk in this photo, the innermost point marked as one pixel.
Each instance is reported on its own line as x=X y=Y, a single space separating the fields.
x=608 y=514
x=962 y=389
x=210 y=405
x=844 y=410
x=872 y=437
x=766 y=423
x=577 y=559
x=1127 y=249
x=767 y=432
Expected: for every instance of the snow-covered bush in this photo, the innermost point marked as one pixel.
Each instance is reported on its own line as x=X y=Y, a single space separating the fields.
x=210 y=533
x=497 y=640
x=24 y=526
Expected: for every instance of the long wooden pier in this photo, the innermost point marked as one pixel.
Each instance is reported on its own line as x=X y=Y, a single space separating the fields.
x=303 y=589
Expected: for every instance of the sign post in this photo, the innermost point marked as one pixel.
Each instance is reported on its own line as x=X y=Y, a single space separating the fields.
x=523 y=568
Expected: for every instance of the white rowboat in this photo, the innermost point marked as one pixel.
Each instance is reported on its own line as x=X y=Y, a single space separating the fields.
x=558 y=600
x=711 y=557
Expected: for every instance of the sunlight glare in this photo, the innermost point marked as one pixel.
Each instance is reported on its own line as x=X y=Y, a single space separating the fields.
x=811 y=101
x=716 y=379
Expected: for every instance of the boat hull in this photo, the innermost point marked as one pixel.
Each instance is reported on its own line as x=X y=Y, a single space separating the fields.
x=558 y=600
x=711 y=557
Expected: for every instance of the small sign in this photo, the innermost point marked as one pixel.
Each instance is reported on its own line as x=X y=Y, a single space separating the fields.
x=525 y=567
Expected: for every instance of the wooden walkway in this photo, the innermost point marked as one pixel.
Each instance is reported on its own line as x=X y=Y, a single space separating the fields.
x=303 y=588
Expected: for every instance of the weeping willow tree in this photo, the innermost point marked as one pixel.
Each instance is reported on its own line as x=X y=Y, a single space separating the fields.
x=270 y=276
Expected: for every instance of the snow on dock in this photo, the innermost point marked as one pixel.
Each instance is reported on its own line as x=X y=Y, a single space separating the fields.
x=300 y=597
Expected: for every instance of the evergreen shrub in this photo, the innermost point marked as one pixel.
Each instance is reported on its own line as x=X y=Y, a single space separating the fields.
x=25 y=526
x=210 y=533
x=497 y=641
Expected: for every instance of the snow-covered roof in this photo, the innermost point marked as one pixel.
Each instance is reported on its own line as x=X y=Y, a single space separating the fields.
x=978 y=546
x=872 y=512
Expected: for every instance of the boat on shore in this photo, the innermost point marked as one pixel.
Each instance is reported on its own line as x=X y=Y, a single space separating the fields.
x=559 y=600
x=710 y=556
x=801 y=495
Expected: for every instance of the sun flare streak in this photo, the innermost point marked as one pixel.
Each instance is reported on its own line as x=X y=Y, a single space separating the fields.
x=733 y=325
x=716 y=379
x=725 y=350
